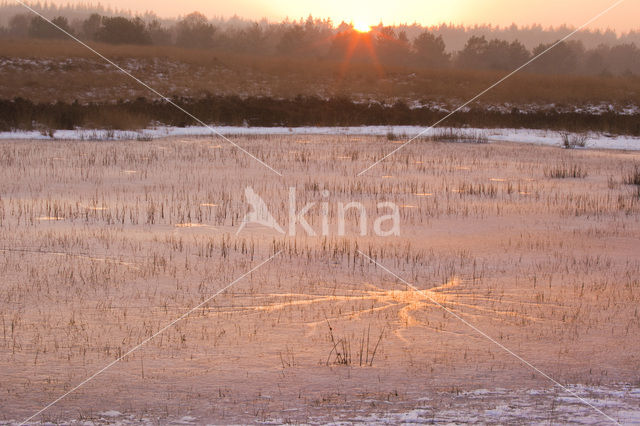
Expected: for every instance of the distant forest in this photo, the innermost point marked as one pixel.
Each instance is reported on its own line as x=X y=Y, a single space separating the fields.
x=480 y=47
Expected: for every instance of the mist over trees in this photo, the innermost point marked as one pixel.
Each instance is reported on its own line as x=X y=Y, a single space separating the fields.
x=477 y=48
x=480 y=53
x=40 y=28
x=120 y=30
x=430 y=51
x=195 y=31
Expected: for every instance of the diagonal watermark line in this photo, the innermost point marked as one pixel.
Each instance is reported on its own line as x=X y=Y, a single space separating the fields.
x=148 y=339
x=482 y=333
x=497 y=83
x=142 y=83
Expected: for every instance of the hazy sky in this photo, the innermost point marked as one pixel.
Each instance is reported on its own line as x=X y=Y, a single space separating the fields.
x=497 y=12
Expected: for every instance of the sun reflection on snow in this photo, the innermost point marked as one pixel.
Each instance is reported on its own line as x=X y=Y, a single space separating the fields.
x=406 y=308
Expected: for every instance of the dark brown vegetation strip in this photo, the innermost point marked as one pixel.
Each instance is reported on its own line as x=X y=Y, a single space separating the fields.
x=22 y=114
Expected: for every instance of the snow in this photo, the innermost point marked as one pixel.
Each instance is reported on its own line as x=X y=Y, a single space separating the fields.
x=110 y=413
x=532 y=406
x=539 y=137
x=185 y=420
x=543 y=406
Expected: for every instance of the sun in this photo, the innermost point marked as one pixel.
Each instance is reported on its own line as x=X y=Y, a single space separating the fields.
x=361 y=27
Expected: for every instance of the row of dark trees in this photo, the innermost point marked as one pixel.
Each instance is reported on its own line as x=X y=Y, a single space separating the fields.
x=316 y=38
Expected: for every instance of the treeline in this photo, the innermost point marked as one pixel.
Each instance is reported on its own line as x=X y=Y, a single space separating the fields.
x=454 y=35
x=315 y=38
x=21 y=114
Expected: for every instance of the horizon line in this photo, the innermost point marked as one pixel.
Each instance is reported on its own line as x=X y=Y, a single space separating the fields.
x=52 y=4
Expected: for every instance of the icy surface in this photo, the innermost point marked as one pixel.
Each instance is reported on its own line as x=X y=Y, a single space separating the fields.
x=110 y=413
x=541 y=137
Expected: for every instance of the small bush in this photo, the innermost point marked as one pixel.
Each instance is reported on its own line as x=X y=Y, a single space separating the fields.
x=48 y=132
x=574 y=140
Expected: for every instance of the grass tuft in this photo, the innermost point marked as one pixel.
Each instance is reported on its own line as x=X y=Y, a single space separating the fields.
x=460 y=136
x=633 y=178
x=564 y=171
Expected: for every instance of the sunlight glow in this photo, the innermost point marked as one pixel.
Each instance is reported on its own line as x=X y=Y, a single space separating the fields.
x=361 y=27
x=467 y=12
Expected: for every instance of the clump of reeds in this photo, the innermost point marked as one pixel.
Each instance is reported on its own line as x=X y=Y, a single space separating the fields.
x=564 y=171
x=633 y=178
x=341 y=353
x=460 y=136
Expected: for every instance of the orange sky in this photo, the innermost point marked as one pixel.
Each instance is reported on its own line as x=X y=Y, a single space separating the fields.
x=496 y=12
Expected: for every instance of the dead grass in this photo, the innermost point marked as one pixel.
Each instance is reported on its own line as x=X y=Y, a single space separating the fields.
x=565 y=171
x=633 y=178
x=460 y=135
x=191 y=72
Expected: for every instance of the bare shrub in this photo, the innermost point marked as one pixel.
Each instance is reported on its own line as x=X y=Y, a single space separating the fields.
x=46 y=131
x=574 y=140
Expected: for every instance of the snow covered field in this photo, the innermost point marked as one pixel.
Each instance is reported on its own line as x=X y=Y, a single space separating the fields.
x=523 y=406
x=540 y=137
